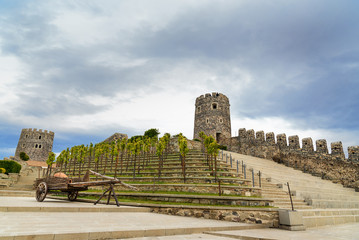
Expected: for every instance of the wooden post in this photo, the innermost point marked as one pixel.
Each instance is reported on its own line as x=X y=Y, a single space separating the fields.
x=219 y=188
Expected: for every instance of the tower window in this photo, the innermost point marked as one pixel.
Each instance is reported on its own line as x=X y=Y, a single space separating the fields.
x=207 y=120
x=35 y=145
x=26 y=136
x=23 y=145
x=39 y=137
x=40 y=146
x=199 y=109
x=214 y=105
x=221 y=120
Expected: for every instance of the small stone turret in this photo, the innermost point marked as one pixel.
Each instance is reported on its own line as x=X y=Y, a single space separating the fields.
x=337 y=150
x=260 y=137
x=294 y=142
x=353 y=153
x=212 y=116
x=282 y=140
x=270 y=138
x=321 y=146
x=35 y=143
x=307 y=145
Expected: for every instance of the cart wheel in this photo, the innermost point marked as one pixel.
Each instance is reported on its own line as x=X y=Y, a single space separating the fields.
x=41 y=191
x=72 y=195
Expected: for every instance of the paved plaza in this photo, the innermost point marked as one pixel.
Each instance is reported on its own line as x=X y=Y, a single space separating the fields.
x=25 y=218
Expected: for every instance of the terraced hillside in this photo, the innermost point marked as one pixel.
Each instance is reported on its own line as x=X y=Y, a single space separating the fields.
x=168 y=181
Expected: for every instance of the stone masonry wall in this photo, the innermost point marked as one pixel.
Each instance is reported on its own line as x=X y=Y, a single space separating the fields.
x=212 y=116
x=35 y=143
x=259 y=216
x=332 y=166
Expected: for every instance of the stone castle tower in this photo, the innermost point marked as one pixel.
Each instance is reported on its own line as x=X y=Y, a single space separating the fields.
x=212 y=116
x=35 y=143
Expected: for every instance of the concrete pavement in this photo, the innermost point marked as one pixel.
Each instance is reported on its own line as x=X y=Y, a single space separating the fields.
x=25 y=218
x=339 y=232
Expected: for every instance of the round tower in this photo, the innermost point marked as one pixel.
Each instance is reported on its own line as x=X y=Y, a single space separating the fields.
x=212 y=116
x=35 y=143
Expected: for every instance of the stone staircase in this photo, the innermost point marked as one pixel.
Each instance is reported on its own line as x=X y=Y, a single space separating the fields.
x=26 y=180
x=321 y=202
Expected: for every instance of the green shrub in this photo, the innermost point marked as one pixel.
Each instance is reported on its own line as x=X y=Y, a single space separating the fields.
x=2 y=170
x=24 y=156
x=222 y=147
x=10 y=166
x=152 y=133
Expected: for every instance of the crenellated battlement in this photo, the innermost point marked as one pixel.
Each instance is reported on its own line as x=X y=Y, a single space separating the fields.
x=214 y=96
x=252 y=138
x=34 y=130
x=317 y=161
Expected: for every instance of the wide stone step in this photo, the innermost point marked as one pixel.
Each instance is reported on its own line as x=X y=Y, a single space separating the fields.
x=17 y=193
x=322 y=203
x=316 y=191
x=329 y=212
x=344 y=191
x=302 y=180
x=289 y=206
x=328 y=196
x=318 y=221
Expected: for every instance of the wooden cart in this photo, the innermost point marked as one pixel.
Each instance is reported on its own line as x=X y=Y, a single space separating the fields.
x=73 y=186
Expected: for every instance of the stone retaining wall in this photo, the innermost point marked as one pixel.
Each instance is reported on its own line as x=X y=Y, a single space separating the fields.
x=194 y=199
x=232 y=190
x=240 y=182
x=260 y=216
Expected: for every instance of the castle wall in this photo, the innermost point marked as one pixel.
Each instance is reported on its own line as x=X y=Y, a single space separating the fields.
x=333 y=166
x=212 y=116
x=35 y=143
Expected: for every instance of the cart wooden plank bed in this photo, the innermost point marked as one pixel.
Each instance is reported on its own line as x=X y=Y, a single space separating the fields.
x=73 y=186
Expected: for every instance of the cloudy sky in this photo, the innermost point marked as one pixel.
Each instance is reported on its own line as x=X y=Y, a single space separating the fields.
x=88 y=69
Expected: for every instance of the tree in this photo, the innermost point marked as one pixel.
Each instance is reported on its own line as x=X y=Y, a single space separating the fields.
x=90 y=154
x=202 y=136
x=160 y=147
x=166 y=138
x=60 y=159
x=213 y=152
x=152 y=133
x=50 y=160
x=183 y=148
x=98 y=153
x=207 y=141
x=136 y=151
x=66 y=157
x=129 y=150
x=122 y=148
x=81 y=157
